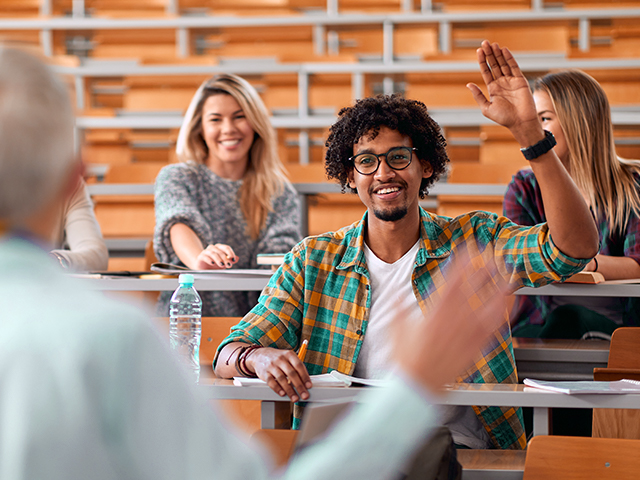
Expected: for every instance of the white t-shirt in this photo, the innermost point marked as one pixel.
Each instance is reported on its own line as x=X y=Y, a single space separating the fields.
x=392 y=297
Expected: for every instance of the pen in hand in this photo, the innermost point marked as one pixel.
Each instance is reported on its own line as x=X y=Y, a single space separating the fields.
x=303 y=350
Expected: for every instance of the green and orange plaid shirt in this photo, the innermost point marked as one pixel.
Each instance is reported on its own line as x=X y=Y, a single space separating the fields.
x=322 y=293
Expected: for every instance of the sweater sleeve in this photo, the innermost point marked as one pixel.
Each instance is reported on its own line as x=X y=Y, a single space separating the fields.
x=282 y=230
x=176 y=202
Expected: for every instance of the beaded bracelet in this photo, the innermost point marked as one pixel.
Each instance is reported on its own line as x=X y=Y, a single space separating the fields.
x=231 y=354
x=238 y=367
x=241 y=360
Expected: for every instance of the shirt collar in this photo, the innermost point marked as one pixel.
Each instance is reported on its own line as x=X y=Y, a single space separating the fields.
x=435 y=242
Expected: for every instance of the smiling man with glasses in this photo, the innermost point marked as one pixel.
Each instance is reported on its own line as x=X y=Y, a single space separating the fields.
x=342 y=291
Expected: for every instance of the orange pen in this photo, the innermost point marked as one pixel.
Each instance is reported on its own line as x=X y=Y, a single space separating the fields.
x=303 y=350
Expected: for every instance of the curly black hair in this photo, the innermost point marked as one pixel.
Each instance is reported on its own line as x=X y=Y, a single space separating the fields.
x=408 y=117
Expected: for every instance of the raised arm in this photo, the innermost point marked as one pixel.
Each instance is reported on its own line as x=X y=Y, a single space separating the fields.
x=511 y=104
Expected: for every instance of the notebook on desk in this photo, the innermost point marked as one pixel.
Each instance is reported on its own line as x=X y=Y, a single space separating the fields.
x=333 y=379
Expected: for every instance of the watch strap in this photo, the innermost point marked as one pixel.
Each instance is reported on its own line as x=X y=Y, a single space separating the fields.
x=540 y=148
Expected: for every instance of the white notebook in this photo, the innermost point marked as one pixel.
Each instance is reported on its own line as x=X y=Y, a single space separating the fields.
x=333 y=379
x=574 y=388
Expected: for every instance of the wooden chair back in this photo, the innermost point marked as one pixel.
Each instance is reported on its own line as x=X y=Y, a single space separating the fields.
x=624 y=362
x=583 y=458
x=214 y=330
x=624 y=351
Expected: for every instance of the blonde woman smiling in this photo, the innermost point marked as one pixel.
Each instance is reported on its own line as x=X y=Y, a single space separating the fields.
x=228 y=199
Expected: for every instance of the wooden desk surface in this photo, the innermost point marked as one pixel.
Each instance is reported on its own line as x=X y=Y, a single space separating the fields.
x=228 y=280
x=507 y=395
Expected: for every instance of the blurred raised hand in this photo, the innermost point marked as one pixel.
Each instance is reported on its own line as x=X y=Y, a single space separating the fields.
x=436 y=349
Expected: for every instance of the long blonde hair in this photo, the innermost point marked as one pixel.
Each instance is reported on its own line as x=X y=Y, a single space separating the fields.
x=606 y=179
x=265 y=176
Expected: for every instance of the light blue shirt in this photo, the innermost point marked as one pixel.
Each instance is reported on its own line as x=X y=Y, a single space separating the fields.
x=89 y=390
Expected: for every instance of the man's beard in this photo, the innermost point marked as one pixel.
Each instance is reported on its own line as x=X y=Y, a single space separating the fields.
x=391 y=215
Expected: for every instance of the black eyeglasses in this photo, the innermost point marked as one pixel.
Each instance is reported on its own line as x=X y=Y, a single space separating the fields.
x=397 y=158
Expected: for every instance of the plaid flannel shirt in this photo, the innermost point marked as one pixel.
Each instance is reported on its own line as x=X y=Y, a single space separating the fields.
x=321 y=293
x=523 y=205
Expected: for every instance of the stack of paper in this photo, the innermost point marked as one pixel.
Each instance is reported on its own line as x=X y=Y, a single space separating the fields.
x=573 y=388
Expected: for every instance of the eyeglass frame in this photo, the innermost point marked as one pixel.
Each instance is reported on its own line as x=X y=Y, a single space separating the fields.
x=411 y=150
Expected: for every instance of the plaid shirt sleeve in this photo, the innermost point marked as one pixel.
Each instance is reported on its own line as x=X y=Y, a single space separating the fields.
x=527 y=256
x=277 y=318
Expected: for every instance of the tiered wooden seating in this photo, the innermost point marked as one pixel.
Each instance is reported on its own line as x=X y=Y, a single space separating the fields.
x=463 y=144
x=624 y=362
x=618 y=37
x=235 y=7
x=442 y=90
x=415 y=40
x=328 y=211
x=599 y=3
x=499 y=159
x=127 y=216
x=19 y=37
x=19 y=8
x=126 y=8
x=619 y=85
x=106 y=147
x=350 y=6
x=124 y=147
x=153 y=146
x=134 y=44
x=627 y=138
x=289 y=147
x=519 y=37
x=104 y=93
x=293 y=42
x=471 y=5
x=160 y=93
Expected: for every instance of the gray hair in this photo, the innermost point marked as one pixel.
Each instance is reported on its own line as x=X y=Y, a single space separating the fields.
x=36 y=134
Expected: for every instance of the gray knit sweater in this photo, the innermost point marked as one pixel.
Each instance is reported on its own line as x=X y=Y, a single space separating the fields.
x=192 y=194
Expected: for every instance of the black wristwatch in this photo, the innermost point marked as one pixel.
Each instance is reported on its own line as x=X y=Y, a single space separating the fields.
x=540 y=148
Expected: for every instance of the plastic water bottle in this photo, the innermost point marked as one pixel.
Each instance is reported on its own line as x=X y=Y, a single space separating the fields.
x=185 y=324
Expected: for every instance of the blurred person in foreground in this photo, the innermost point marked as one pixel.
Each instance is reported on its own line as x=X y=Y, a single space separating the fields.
x=89 y=390
x=340 y=290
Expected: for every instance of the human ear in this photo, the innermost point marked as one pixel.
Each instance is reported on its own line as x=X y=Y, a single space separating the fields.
x=427 y=169
x=350 y=180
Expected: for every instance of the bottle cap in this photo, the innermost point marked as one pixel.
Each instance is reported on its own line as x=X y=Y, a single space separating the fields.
x=185 y=279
